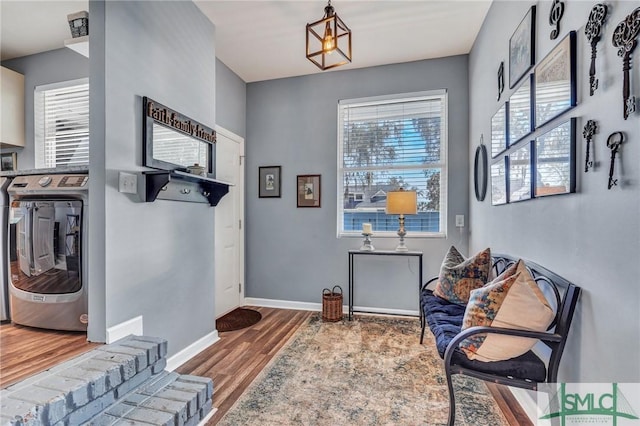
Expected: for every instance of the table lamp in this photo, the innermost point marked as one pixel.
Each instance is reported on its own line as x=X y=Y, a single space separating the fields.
x=402 y=202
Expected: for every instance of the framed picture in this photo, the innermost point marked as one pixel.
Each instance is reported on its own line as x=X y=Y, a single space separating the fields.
x=499 y=131
x=522 y=48
x=520 y=107
x=308 y=190
x=499 y=182
x=269 y=182
x=520 y=174
x=555 y=81
x=8 y=162
x=555 y=160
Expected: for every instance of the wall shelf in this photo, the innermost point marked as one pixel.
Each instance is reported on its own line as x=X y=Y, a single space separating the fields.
x=79 y=44
x=181 y=186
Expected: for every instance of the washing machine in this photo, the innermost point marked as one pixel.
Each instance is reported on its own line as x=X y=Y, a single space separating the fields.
x=47 y=280
x=4 y=248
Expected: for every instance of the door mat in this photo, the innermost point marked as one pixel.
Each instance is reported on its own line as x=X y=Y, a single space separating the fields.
x=237 y=319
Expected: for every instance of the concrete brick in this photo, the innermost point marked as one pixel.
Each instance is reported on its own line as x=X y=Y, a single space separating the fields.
x=163 y=380
x=76 y=392
x=97 y=379
x=27 y=411
x=151 y=348
x=199 y=389
x=53 y=403
x=92 y=409
x=119 y=410
x=206 y=409
x=135 y=399
x=190 y=398
x=197 y=379
x=133 y=383
x=163 y=345
x=159 y=418
x=139 y=354
x=103 y=420
x=159 y=366
x=111 y=369
x=127 y=362
x=177 y=408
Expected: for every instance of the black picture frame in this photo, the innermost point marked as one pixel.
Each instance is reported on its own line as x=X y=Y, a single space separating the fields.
x=269 y=182
x=499 y=184
x=555 y=160
x=8 y=162
x=522 y=48
x=499 y=130
x=480 y=165
x=521 y=112
x=309 y=190
x=520 y=183
x=555 y=81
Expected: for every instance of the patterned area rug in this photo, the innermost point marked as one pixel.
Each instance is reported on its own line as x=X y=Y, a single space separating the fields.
x=237 y=319
x=370 y=371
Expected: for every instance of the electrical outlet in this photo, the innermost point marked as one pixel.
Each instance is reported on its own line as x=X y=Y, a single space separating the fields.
x=128 y=183
x=460 y=220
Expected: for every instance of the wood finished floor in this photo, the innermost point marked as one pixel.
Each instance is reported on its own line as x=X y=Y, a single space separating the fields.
x=232 y=363
x=25 y=351
x=241 y=355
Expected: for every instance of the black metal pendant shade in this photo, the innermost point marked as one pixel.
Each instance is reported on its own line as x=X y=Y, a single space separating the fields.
x=328 y=41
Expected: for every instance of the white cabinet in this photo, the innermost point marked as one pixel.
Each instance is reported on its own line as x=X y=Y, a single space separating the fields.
x=11 y=108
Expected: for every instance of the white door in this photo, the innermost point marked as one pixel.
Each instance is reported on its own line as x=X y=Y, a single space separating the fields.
x=229 y=230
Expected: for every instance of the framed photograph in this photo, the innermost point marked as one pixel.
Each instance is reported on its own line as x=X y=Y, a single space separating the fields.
x=308 y=190
x=499 y=182
x=269 y=182
x=8 y=162
x=520 y=174
x=520 y=108
x=555 y=160
x=555 y=81
x=499 y=131
x=522 y=48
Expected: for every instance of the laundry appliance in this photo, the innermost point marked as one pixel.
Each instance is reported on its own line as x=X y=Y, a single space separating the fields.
x=47 y=281
x=4 y=248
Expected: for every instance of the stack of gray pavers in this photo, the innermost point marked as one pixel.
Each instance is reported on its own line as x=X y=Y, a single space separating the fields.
x=121 y=383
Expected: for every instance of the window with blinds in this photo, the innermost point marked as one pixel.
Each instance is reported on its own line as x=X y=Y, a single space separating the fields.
x=385 y=144
x=62 y=124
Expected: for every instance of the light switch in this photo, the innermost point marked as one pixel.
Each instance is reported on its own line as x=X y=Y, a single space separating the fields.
x=128 y=183
x=460 y=220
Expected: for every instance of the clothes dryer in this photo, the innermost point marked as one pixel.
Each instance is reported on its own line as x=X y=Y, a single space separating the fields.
x=4 y=248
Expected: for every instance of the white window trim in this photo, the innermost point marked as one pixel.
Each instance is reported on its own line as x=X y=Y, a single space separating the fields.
x=38 y=119
x=444 y=191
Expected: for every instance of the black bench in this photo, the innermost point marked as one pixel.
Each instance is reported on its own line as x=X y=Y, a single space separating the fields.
x=526 y=371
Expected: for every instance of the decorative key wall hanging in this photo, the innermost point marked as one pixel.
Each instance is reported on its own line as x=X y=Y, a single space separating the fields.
x=593 y=31
x=613 y=143
x=590 y=129
x=500 y=79
x=555 y=15
x=624 y=38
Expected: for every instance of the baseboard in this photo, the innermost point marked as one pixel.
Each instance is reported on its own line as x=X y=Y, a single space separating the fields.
x=308 y=306
x=192 y=350
x=529 y=405
x=132 y=326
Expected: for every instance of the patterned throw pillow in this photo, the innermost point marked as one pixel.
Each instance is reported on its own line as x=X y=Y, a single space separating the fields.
x=458 y=276
x=512 y=300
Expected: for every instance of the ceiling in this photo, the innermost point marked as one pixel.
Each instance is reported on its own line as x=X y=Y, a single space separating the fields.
x=264 y=40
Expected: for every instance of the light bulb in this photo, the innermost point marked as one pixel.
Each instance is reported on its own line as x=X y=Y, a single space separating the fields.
x=328 y=41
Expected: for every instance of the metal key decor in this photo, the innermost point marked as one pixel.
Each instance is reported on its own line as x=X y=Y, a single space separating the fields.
x=613 y=143
x=500 y=79
x=624 y=38
x=555 y=15
x=593 y=31
x=589 y=130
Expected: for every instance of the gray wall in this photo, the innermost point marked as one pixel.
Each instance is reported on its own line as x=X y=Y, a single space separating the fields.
x=158 y=257
x=43 y=68
x=592 y=237
x=293 y=253
x=231 y=100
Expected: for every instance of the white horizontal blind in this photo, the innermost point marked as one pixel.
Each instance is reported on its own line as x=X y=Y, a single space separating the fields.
x=62 y=124
x=387 y=144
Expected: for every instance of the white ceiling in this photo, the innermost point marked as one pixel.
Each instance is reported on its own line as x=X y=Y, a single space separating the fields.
x=265 y=39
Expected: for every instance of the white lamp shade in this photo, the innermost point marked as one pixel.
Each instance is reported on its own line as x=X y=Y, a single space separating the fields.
x=402 y=202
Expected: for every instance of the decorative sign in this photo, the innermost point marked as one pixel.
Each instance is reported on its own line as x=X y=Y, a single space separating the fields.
x=624 y=38
x=555 y=15
x=177 y=121
x=593 y=30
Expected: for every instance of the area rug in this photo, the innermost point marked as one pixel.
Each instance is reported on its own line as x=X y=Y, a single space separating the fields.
x=237 y=319
x=370 y=371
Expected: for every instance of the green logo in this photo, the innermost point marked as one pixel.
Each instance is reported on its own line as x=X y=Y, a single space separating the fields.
x=589 y=407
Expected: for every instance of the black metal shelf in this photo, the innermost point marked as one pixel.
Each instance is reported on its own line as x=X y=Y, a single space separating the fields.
x=157 y=180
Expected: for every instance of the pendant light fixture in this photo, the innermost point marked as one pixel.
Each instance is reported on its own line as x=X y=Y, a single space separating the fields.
x=328 y=41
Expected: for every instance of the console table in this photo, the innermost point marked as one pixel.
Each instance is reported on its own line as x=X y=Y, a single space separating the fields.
x=354 y=253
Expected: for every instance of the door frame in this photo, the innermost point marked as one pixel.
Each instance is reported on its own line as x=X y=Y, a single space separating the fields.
x=241 y=206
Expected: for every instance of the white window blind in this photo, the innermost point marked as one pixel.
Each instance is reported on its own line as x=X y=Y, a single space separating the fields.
x=62 y=124
x=389 y=143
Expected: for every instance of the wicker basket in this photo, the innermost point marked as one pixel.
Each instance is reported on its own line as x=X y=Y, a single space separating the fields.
x=332 y=304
